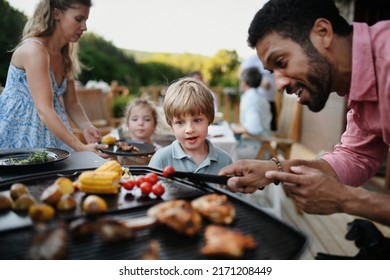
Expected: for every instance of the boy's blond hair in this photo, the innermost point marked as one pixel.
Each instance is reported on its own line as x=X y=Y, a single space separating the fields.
x=188 y=96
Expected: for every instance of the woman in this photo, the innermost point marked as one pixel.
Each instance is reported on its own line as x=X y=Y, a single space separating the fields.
x=42 y=69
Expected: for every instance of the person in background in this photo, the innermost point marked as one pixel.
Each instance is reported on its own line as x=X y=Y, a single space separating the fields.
x=189 y=110
x=313 y=52
x=267 y=87
x=43 y=68
x=198 y=76
x=141 y=123
x=255 y=114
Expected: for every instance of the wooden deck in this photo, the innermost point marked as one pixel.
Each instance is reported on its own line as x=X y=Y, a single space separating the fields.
x=326 y=233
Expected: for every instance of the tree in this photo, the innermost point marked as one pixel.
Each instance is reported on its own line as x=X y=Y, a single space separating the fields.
x=222 y=69
x=104 y=61
x=11 y=24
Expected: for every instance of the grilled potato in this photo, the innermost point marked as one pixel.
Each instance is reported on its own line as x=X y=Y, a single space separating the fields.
x=109 y=140
x=5 y=203
x=17 y=190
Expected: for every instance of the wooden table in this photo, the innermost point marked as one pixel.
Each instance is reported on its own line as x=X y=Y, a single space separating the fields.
x=222 y=136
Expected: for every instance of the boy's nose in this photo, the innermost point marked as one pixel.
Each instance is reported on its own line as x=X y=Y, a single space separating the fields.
x=189 y=127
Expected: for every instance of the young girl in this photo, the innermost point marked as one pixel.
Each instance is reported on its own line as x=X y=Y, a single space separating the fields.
x=189 y=110
x=141 y=122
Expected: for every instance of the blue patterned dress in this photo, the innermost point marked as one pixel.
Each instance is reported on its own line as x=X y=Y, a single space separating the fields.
x=20 y=125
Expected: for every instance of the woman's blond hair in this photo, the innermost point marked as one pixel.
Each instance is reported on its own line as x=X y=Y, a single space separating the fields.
x=188 y=96
x=42 y=24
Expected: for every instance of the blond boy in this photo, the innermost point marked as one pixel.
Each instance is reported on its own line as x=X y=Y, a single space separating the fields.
x=189 y=110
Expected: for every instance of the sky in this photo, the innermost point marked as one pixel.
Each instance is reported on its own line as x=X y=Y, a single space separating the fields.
x=172 y=26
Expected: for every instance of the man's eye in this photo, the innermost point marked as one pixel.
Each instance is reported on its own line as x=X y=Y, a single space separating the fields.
x=280 y=63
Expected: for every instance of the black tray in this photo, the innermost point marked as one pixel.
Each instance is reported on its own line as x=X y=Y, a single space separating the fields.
x=53 y=155
x=275 y=239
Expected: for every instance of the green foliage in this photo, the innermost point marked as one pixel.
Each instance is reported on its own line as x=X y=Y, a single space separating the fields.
x=133 y=69
x=185 y=62
x=12 y=23
x=119 y=104
x=105 y=62
x=222 y=69
x=156 y=73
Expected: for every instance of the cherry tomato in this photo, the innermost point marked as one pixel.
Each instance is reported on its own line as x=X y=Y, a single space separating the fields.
x=152 y=178
x=168 y=170
x=146 y=188
x=158 y=189
x=139 y=180
x=128 y=184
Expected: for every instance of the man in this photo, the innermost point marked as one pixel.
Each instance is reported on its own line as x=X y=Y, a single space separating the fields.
x=267 y=87
x=313 y=52
x=255 y=114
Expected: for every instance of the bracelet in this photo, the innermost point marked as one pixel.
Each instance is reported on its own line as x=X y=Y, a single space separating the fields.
x=280 y=169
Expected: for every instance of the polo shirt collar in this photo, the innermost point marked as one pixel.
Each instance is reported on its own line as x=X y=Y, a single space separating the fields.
x=178 y=152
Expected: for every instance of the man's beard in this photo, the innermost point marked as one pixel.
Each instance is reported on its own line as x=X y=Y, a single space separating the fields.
x=319 y=77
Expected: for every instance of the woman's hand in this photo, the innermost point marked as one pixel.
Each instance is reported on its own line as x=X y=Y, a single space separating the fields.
x=247 y=175
x=91 y=134
x=95 y=148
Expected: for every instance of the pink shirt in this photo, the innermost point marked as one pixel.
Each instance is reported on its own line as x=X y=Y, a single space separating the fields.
x=367 y=136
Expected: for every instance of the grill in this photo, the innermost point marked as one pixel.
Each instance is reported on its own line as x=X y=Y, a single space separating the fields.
x=275 y=239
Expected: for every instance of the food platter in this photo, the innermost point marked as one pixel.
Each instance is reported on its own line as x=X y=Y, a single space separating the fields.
x=275 y=239
x=143 y=149
x=53 y=155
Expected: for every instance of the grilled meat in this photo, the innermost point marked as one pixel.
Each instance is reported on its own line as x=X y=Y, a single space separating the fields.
x=178 y=215
x=215 y=207
x=224 y=242
x=126 y=147
x=48 y=243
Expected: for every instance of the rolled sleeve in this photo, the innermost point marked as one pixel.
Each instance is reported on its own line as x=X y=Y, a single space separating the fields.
x=358 y=156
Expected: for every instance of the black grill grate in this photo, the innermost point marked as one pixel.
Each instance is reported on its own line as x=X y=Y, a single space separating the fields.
x=275 y=239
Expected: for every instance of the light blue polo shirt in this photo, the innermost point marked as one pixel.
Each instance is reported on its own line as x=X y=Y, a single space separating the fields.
x=174 y=156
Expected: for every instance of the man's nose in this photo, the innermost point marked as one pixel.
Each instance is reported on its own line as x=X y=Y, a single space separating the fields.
x=281 y=81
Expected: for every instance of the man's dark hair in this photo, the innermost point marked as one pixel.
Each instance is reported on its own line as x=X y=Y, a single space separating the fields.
x=294 y=19
x=252 y=77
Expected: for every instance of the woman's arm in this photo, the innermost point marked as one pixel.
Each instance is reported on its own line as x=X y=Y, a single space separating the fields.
x=35 y=60
x=77 y=114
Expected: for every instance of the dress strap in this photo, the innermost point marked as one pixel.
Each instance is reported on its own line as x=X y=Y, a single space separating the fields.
x=28 y=40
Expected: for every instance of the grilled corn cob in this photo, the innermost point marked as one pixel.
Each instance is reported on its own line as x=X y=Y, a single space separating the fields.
x=99 y=182
x=111 y=165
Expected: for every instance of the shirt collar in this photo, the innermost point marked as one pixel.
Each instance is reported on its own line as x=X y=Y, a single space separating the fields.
x=178 y=152
x=363 y=80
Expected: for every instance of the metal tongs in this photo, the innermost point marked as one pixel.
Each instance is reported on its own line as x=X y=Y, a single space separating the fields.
x=199 y=177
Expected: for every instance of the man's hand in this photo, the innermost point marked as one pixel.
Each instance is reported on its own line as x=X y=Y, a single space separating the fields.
x=247 y=175
x=314 y=191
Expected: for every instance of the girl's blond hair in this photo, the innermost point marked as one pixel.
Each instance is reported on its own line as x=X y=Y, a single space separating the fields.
x=188 y=96
x=42 y=24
